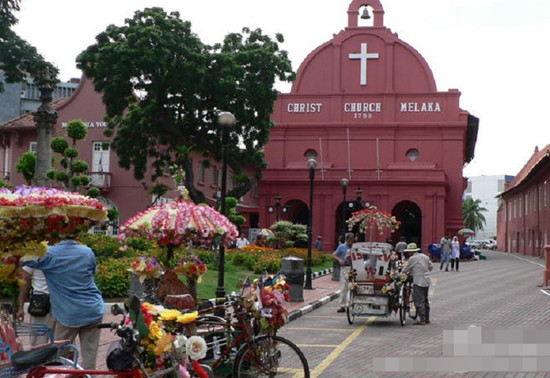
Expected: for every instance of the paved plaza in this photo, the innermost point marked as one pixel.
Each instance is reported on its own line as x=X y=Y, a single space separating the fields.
x=500 y=292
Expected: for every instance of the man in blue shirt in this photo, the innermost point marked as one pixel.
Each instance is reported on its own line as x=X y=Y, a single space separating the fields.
x=340 y=255
x=77 y=304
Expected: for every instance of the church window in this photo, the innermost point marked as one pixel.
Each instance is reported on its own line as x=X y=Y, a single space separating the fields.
x=413 y=154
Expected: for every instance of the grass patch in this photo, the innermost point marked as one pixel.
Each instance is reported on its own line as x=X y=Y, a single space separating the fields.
x=232 y=274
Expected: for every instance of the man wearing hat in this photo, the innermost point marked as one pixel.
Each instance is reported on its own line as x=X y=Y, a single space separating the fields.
x=419 y=267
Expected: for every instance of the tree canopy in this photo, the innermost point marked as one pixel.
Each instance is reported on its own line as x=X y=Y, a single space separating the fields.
x=163 y=89
x=17 y=57
x=472 y=214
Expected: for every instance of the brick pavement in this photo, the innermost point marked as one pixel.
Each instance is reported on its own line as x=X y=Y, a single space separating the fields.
x=500 y=292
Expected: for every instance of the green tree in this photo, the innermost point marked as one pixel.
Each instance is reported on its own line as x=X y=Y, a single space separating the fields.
x=26 y=165
x=163 y=89
x=73 y=173
x=472 y=214
x=17 y=57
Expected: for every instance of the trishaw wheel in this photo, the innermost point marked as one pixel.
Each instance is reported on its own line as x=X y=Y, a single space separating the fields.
x=411 y=309
x=349 y=308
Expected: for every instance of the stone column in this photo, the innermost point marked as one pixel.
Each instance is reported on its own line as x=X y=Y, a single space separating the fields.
x=546 y=278
x=45 y=118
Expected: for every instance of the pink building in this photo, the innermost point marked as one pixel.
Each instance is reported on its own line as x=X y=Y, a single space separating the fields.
x=524 y=217
x=366 y=107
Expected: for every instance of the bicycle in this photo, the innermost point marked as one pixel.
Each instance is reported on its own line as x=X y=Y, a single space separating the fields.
x=404 y=303
x=236 y=341
x=126 y=359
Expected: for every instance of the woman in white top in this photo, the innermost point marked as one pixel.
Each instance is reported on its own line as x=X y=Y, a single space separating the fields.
x=35 y=278
x=455 y=253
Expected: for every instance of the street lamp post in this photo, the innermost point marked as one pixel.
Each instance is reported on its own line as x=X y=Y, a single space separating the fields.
x=311 y=164
x=344 y=182
x=44 y=117
x=277 y=208
x=226 y=120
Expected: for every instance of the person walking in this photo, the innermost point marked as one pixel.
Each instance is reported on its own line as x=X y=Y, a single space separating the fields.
x=400 y=248
x=34 y=280
x=420 y=266
x=76 y=302
x=319 y=243
x=455 y=257
x=340 y=255
x=445 y=244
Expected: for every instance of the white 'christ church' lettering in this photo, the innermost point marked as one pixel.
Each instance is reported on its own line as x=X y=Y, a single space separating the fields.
x=364 y=56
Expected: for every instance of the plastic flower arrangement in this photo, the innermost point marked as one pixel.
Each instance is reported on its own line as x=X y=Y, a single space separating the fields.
x=373 y=219
x=265 y=298
x=32 y=214
x=164 y=344
x=146 y=267
x=191 y=267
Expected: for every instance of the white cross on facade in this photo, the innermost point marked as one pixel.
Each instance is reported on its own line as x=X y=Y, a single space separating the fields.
x=364 y=56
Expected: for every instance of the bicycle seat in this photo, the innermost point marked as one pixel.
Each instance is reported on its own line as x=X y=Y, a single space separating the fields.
x=25 y=359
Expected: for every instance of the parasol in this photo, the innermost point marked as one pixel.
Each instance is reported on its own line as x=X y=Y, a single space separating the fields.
x=179 y=222
x=466 y=231
x=30 y=215
x=266 y=232
x=372 y=218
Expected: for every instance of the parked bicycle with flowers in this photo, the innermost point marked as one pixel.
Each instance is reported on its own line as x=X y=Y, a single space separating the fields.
x=245 y=344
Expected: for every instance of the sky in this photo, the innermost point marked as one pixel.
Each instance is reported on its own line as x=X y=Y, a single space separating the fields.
x=494 y=51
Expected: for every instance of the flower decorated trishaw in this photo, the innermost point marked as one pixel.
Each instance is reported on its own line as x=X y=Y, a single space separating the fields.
x=376 y=285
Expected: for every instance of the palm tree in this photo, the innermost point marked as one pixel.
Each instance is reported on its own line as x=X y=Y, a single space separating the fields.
x=472 y=214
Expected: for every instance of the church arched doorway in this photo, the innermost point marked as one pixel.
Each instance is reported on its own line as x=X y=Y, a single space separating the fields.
x=341 y=228
x=410 y=216
x=298 y=212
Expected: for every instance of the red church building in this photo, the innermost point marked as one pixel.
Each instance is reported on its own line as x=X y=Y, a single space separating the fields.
x=365 y=106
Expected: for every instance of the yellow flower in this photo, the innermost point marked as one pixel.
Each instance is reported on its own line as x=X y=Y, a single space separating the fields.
x=149 y=306
x=169 y=315
x=164 y=345
x=155 y=330
x=188 y=317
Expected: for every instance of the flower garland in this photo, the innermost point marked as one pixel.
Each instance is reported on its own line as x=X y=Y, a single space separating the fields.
x=374 y=219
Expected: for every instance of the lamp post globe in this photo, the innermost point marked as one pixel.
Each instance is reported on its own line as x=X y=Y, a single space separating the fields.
x=226 y=120
x=312 y=165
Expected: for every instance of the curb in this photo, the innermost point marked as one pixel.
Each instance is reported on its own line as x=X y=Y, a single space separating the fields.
x=295 y=314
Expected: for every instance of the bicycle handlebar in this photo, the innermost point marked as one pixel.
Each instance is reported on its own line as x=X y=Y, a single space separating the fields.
x=108 y=325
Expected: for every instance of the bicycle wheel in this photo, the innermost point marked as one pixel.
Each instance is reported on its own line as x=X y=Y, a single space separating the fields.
x=402 y=305
x=270 y=356
x=411 y=308
x=350 y=308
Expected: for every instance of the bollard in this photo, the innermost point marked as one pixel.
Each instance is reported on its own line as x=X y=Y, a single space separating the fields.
x=293 y=269
x=335 y=270
x=546 y=278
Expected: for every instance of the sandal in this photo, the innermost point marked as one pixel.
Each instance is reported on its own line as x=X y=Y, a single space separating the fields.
x=420 y=322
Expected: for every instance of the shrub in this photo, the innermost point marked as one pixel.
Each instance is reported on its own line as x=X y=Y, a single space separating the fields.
x=106 y=246
x=113 y=278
